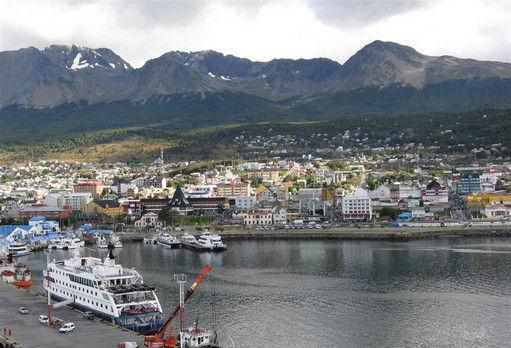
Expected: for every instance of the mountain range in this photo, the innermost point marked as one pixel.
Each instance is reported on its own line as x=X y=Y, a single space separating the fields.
x=72 y=88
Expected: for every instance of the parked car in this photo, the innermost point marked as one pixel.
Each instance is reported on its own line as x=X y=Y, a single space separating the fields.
x=23 y=310
x=88 y=315
x=128 y=345
x=67 y=327
x=43 y=319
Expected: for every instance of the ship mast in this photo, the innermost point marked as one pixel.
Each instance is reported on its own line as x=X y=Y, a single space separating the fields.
x=50 y=322
x=181 y=280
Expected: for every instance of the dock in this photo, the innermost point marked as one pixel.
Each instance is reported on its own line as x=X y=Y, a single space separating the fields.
x=27 y=332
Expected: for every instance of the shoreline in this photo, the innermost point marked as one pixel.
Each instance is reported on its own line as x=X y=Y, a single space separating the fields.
x=349 y=233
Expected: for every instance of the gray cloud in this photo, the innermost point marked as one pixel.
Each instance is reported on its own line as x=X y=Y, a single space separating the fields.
x=12 y=38
x=156 y=13
x=353 y=13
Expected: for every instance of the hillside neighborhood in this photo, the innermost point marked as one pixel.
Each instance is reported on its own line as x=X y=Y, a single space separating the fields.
x=277 y=193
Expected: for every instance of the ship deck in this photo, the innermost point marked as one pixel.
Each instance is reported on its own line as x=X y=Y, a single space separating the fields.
x=28 y=332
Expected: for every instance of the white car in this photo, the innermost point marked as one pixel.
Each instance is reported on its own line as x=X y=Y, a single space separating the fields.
x=23 y=310
x=67 y=327
x=43 y=319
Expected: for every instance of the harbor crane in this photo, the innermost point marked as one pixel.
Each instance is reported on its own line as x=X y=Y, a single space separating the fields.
x=160 y=339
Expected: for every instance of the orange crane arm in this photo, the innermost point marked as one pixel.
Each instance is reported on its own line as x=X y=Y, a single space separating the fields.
x=159 y=334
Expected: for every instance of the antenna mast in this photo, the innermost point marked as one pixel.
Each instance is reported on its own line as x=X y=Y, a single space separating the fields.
x=50 y=322
x=181 y=280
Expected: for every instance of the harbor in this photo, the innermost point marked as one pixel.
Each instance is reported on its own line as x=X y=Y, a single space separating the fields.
x=438 y=291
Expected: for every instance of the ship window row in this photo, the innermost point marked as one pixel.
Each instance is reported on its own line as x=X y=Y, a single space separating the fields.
x=83 y=281
x=77 y=287
x=81 y=298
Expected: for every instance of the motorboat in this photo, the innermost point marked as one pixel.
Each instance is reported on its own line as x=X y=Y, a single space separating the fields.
x=168 y=241
x=188 y=241
x=17 y=249
x=211 y=241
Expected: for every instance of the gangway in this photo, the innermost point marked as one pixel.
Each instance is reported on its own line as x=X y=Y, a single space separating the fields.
x=62 y=303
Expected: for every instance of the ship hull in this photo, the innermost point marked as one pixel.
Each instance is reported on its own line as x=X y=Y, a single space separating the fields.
x=169 y=245
x=198 y=247
x=145 y=329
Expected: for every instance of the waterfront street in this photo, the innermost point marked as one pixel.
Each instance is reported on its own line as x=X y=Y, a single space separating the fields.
x=29 y=333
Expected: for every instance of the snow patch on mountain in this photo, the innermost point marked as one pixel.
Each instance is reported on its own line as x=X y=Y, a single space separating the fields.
x=77 y=64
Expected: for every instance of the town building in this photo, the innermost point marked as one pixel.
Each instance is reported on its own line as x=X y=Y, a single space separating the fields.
x=497 y=211
x=468 y=183
x=148 y=220
x=257 y=217
x=245 y=202
x=27 y=212
x=95 y=187
x=233 y=189
x=106 y=207
x=357 y=206
x=435 y=193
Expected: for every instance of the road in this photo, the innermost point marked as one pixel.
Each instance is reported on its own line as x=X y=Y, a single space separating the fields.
x=26 y=330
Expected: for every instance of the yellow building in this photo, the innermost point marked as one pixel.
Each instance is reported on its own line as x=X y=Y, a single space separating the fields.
x=106 y=207
x=488 y=199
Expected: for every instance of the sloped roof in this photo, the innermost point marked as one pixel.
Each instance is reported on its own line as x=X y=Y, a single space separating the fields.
x=178 y=199
x=433 y=185
x=107 y=202
x=6 y=230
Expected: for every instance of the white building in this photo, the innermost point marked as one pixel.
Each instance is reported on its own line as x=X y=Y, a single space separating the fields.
x=245 y=202
x=381 y=193
x=497 y=211
x=76 y=200
x=148 y=220
x=257 y=217
x=357 y=206
x=488 y=182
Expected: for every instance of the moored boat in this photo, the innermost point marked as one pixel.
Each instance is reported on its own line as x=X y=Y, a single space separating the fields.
x=211 y=242
x=18 y=249
x=168 y=241
x=189 y=242
x=16 y=274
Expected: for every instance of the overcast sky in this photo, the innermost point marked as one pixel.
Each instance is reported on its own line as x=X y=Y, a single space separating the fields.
x=140 y=30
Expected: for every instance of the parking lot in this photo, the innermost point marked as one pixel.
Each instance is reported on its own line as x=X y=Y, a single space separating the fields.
x=28 y=332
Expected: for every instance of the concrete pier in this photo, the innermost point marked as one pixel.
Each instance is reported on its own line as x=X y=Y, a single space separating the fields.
x=27 y=332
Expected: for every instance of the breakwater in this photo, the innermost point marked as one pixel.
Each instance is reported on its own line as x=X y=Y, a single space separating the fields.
x=349 y=233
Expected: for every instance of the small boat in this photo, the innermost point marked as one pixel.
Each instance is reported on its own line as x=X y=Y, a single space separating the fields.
x=195 y=337
x=102 y=242
x=16 y=274
x=55 y=243
x=168 y=241
x=70 y=243
x=23 y=277
x=17 y=249
x=211 y=242
x=115 y=241
x=150 y=240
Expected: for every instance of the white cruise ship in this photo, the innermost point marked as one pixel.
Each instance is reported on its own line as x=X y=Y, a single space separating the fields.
x=107 y=289
x=168 y=241
x=18 y=249
x=211 y=241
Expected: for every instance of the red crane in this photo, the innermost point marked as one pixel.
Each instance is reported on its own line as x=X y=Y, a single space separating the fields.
x=159 y=339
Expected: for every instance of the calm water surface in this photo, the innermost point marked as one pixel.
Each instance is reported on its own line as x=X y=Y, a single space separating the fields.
x=453 y=291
